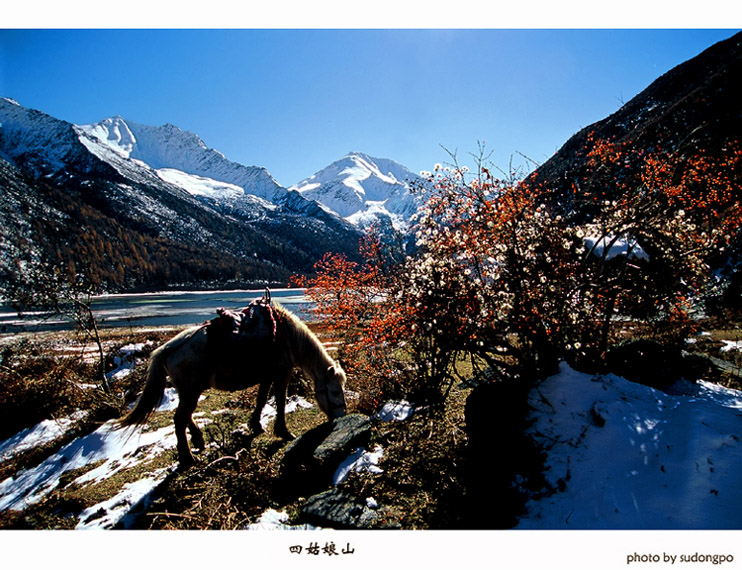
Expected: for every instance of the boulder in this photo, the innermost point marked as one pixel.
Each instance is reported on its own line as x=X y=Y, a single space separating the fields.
x=654 y=364
x=310 y=461
x=335 y=508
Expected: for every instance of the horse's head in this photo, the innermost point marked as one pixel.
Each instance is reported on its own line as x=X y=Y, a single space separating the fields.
x=328 y=390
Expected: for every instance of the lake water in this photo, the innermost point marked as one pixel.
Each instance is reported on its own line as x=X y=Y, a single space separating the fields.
x=158 y=309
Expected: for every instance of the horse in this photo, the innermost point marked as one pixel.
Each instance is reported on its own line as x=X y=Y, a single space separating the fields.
x=194 y=364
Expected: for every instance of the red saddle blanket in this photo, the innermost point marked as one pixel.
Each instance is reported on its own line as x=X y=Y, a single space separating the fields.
x=256 y=321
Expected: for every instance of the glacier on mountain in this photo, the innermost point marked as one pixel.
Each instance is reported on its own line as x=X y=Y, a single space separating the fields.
x=167 y=149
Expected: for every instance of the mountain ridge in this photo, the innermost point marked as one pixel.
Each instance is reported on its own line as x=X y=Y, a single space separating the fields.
x=171 y=147
x=357 y=188
x=694 y=106
x=170 y=236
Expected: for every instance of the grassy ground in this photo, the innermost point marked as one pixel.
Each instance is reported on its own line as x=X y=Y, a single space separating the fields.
x=713 y=340
x=238 y=476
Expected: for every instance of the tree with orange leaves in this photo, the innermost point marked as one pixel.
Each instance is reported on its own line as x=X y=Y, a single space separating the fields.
x=507 y=278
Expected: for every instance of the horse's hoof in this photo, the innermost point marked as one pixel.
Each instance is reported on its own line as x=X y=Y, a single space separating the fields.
x=286 y=435
x=185 y=463
x=185 y=466
x=257 y=429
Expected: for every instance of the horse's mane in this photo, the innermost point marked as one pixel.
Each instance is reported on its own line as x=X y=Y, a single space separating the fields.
x=301 y=338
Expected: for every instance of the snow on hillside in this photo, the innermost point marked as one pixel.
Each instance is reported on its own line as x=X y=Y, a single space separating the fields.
x=44 y=143
x=361 y=189
x=114 y=449
x=222 y=193
x=200 y=185
x=625 y=456
x=43 y=432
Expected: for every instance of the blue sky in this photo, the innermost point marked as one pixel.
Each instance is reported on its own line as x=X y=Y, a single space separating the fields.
x=296 y=100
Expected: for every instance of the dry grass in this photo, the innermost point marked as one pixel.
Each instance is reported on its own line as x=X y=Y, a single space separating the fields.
x=421 y=484
x=239 y=475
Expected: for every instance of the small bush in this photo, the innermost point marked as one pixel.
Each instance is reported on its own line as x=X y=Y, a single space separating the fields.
x=34 y=385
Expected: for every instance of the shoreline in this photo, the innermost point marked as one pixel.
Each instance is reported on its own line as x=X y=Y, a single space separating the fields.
x=154 y=309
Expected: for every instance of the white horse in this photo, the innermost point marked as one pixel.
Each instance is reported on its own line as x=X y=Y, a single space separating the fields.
x=194 y=363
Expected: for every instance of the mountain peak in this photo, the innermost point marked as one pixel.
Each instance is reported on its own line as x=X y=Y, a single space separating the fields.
x=114 y=133
x=151 y=145
x=182 y=158
x=363 y=189
x=359 y=154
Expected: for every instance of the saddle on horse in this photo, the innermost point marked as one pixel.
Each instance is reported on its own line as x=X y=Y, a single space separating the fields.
x=253 y=325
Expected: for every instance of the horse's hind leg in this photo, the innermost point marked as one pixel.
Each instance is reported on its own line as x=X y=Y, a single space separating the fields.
x=183 y=420
x=279 y=390
x=260 y=401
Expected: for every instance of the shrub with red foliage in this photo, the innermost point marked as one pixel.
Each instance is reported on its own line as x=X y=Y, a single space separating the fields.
x=505 y=278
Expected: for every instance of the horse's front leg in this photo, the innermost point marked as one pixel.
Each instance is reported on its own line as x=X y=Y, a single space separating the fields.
x=260 y=401
x=279 y=427
x=197 y=436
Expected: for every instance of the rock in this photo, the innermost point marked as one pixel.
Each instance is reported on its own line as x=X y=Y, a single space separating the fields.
x=654 y=364
x=333 y=508
x=309 y=464
x=500 y=458
x=310 y=461
x=336 y=508
x=328 y=444
x=348 y=433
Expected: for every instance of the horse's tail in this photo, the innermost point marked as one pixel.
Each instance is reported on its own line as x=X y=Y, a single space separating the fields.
x=154 y=387
x=154 y=390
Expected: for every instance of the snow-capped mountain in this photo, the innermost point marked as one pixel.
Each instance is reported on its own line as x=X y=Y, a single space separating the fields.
x=180 y=211
x=182 y=158
x=363 y=189
x=43 y=144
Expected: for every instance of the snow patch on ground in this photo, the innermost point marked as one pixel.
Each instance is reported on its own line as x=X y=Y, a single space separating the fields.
x=621 y=455
x=277 y=520
x=292 y=403
x=122 y=509
x=358 y=461
x=41 y=434
x=125 y=361
x=395 y=411
x=730 y=345
x=170 y=400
